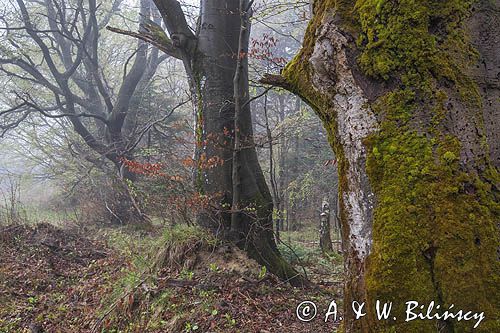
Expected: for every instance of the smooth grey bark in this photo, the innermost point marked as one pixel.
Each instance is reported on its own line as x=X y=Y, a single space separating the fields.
x=218 y=45
x=211 y=57
x=238 y=95
x=325 y=241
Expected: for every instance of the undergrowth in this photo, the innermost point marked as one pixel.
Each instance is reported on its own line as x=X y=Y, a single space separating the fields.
x=139 y=299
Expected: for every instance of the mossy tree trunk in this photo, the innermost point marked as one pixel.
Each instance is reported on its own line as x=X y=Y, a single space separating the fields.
x=409 y=94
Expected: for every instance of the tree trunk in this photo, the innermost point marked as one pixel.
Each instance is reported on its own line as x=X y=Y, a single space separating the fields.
x=325 y=241
x=211 y=58
x=337 y=228
x=282 y=166
x=272 y=175
x=409 y=95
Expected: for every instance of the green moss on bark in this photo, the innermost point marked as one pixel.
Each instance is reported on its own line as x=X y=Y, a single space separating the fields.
x=435 y=235
x=297 y=72
x=396 y=39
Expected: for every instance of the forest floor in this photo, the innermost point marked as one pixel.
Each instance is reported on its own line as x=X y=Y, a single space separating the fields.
x=112 y=280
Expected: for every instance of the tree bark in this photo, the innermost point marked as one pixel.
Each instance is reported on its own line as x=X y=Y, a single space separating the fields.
x=282 y=167
x=218 y=40
x=408 y=93
x=325 y=241
x=211 y=58
x=238 y=97
x=272 y=175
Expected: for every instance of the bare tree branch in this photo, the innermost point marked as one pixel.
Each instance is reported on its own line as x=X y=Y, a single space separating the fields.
x=166 y=47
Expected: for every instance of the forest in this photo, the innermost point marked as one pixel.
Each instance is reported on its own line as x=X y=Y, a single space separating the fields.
x=250 y=166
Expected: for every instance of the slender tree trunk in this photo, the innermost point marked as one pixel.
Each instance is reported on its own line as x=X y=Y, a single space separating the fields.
x=291 y=219
x=272 y=173
x=325 y=241
x=282 y=167
x=293 y=223
x=238 y=95
x=337 y=227
x=409 y=95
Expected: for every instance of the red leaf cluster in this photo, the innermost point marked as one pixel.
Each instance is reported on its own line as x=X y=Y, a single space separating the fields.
x=147 y=169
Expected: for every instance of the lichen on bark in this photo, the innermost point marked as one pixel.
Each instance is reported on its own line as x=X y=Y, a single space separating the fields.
x=435 y=234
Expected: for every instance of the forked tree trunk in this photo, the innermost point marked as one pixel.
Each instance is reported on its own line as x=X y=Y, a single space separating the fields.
x=72 y=72
x=217 y=56
x=409 y=94
x=210 y=58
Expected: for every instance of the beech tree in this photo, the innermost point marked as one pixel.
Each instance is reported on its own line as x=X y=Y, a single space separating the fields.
x=408 y=93
x=215 y=58
x=67 y=79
